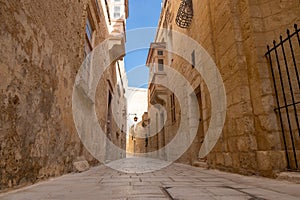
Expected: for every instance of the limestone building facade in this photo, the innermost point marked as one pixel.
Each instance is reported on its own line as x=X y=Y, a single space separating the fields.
x=138 y=141
x=43 y=44
x=235 y=34
x=137 y=106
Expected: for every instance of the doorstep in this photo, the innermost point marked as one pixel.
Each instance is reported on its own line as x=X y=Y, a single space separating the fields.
x=289 y=176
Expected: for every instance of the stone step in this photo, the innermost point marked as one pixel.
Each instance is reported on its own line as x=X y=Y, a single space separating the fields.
x=200 y=164
x=289 y=176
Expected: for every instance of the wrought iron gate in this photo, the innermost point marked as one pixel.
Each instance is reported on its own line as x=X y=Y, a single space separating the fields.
x=284 y=60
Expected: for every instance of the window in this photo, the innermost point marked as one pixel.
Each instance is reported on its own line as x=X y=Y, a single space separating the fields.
x=87 y=48
x=89 y=30
x=173 y=111
x=88 y=36
x=117 y=9
x=117 y=15
x=153 y=69
x=160 y=53
x=117 y=12
x=160 y=65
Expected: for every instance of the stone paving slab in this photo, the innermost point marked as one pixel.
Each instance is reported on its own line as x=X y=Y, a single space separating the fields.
x=176 y=181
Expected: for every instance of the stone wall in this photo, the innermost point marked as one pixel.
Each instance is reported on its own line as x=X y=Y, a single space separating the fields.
x=117 y=124
x=42 y=48
x=252 y=142
x=137 y=140
x=235 y=34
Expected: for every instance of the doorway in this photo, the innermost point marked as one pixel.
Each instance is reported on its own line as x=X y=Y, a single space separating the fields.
x=198 y=141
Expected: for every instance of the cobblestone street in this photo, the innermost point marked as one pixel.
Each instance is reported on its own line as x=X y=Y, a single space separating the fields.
x=176 y=181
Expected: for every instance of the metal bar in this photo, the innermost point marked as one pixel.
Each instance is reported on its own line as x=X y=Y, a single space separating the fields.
x=278 y=105
x=293 y=56
x=277 y=45
x=297 y=32
x=295 y=63
x=282 y=87
x=293 y=100
x=287 y=105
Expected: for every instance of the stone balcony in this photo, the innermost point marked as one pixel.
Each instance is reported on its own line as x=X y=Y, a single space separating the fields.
x=157 y=87
x=117 y=39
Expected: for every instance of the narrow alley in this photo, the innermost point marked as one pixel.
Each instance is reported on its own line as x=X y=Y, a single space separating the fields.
x=177 y=181
x=150 y=99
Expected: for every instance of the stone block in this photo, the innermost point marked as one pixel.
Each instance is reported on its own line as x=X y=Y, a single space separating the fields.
x=242 y=144
x=219 y=159
x=81 y=166
x=235 y=160
x=228 y=162
x=268 y=122
x=278 y=159
x=248 y=161
x=232 y=144
x=289 y=176
x=264 y=160
x=245 y=125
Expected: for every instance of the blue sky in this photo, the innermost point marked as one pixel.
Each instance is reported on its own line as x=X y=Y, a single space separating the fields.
x=142 y=13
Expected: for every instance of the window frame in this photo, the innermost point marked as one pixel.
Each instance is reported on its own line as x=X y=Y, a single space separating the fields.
x=89 y=33
x=87 y=47
x=117 y=15
x=160 y=65
x=117 y=12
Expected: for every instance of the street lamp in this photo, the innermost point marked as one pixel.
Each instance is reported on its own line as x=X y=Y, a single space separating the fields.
x=135 y=119
x=185 y=14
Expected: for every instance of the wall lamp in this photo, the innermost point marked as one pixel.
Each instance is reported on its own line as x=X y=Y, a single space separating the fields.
x=185 y=14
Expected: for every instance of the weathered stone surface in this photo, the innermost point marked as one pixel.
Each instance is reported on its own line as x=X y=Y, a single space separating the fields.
x=42 y=48
x=236 y=34
x=289 y=176
x=176 y=181
x=263 y=161
x=39 y=57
